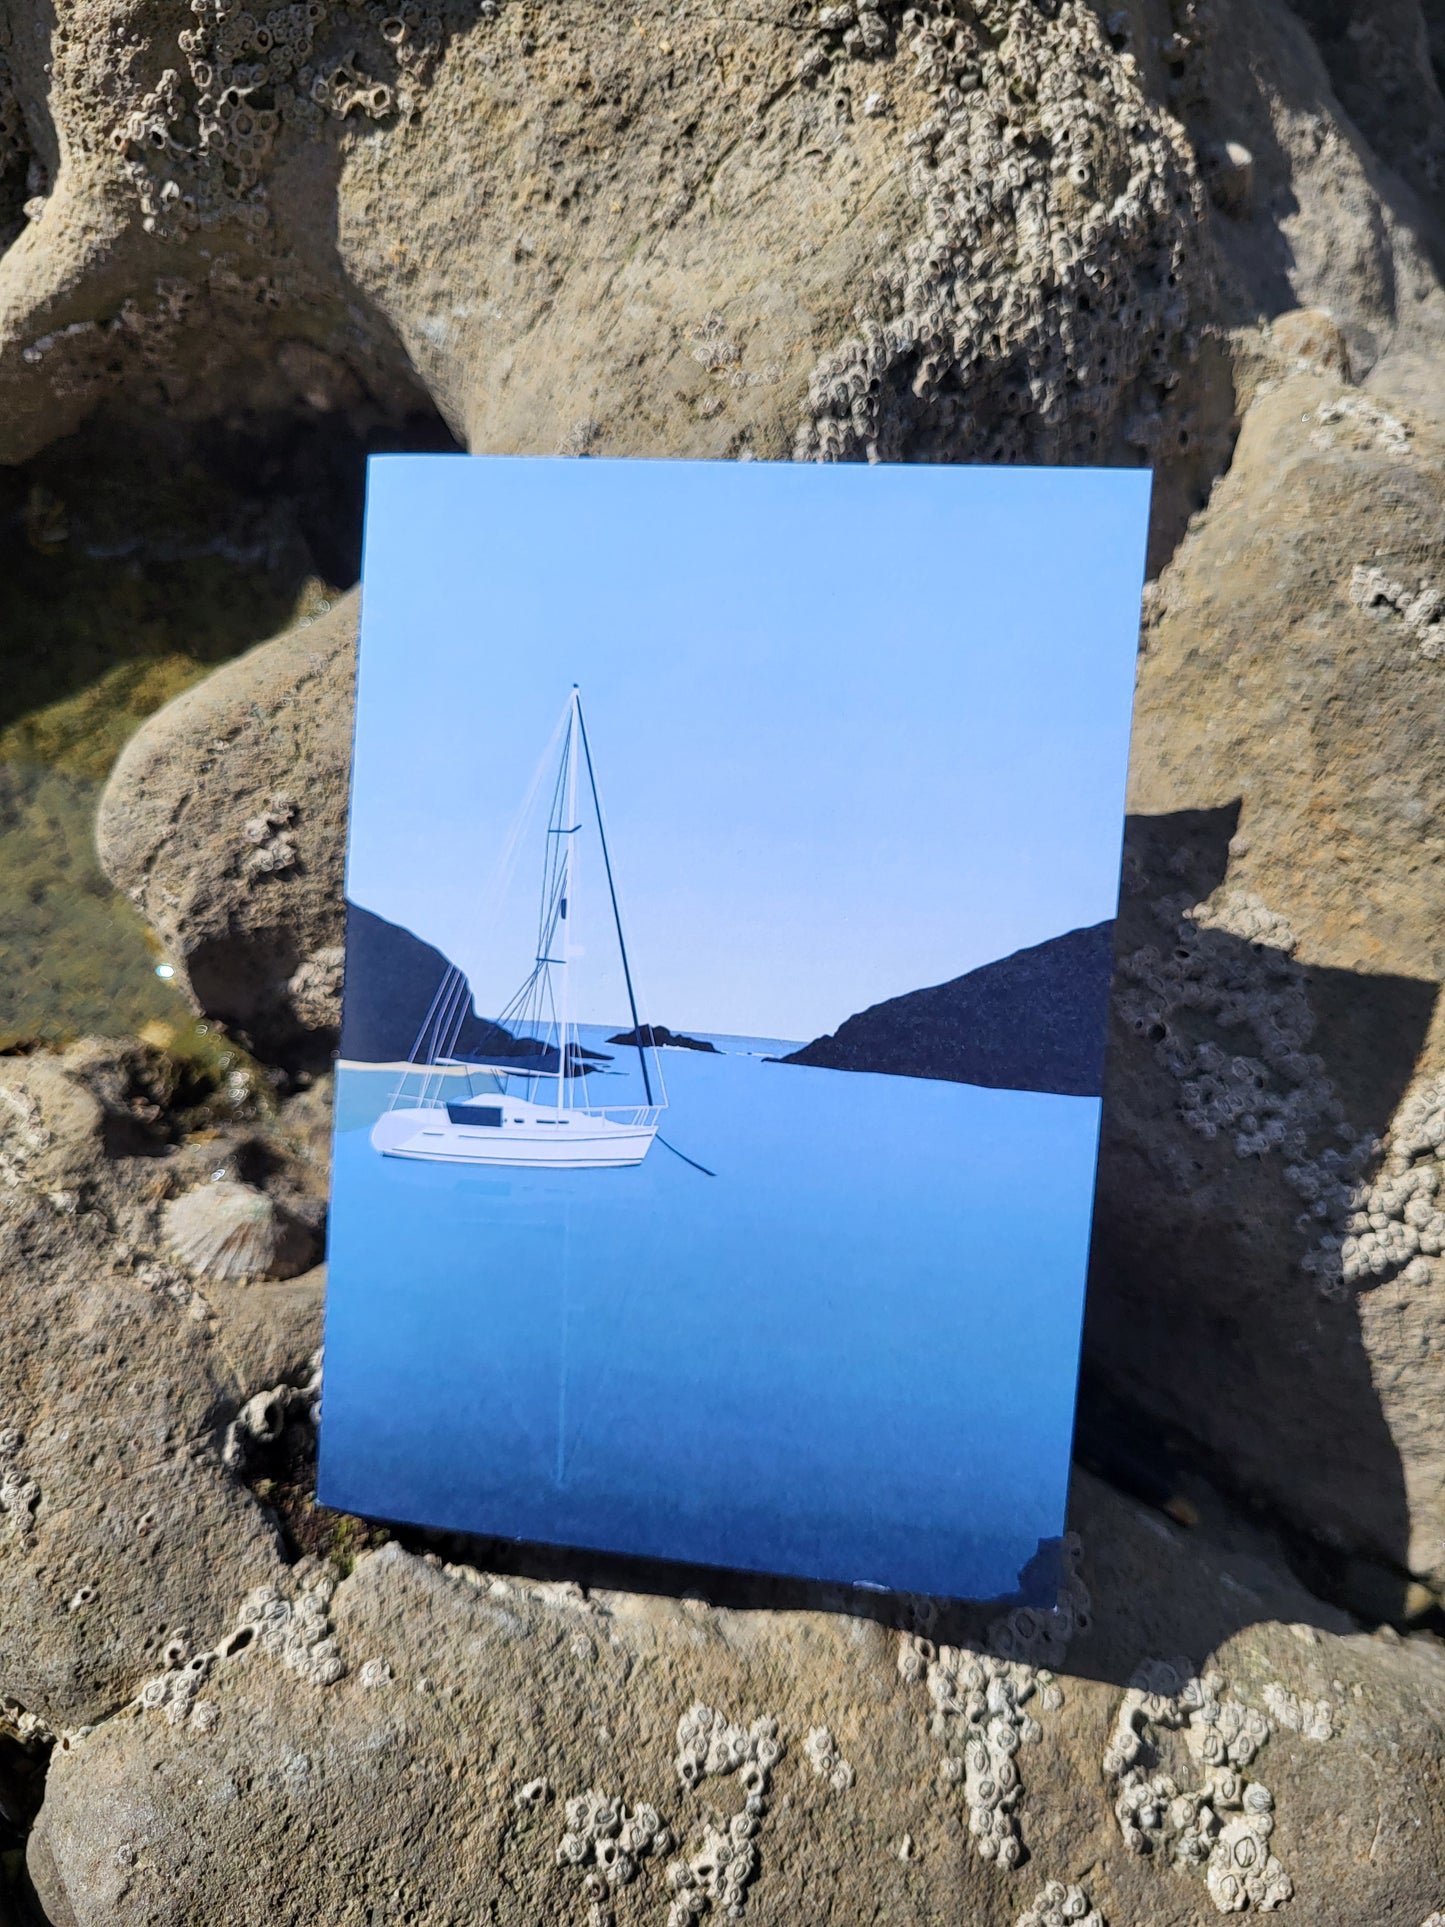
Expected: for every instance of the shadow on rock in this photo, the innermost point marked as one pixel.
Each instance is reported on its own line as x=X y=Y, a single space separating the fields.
x=1247 y=1096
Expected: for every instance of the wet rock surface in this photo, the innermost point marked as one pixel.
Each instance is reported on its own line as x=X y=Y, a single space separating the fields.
x=1005 y=231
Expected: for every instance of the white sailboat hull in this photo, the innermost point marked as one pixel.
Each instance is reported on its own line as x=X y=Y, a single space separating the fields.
x=529 y=1135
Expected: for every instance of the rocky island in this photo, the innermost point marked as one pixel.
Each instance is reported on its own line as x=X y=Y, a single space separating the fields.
x=659 y=1037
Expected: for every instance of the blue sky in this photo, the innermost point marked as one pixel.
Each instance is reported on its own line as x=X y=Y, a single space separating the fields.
x=857 y=729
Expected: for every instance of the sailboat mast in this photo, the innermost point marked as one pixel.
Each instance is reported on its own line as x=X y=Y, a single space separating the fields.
x=612 y=892
x=569 y=847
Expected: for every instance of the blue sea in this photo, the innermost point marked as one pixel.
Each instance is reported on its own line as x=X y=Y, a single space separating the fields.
x=845 y=1350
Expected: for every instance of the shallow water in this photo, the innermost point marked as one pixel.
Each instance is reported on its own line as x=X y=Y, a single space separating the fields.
x=74 y=954
x=850 y=1354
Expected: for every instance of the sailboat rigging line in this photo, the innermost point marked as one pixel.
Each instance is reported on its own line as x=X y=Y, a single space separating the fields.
x=511 y=848
x=685 y=1158
x=556 y=859
x=525 y=1133
x=449 y=1021
x=616 y=913
x=417 y=1047
x=448 y=1026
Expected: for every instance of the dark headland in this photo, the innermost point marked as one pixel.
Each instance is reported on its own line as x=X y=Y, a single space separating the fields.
x=392 y=979
x=1033 y=1021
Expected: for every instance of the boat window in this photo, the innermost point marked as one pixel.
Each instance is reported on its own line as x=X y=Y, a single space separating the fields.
x=472 y=1113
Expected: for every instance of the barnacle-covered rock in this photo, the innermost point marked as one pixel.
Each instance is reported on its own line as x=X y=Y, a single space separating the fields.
x=428 y=1762
x=1034 y=231
x=1030 y=347
x=1272 y=1181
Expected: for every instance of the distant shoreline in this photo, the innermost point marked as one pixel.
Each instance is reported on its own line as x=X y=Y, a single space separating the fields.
x=432 y=1070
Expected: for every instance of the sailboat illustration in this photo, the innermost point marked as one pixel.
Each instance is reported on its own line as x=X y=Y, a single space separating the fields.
x=528 y=1103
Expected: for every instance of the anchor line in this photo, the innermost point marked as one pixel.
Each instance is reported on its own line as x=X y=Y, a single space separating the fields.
x=685 y=1158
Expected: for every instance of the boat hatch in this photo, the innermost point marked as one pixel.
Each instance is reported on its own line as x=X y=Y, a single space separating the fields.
x=465 y=1113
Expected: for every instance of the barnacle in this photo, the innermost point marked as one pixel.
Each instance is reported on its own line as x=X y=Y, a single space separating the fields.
x=1422 y=609
x=264 y=1416
x=1314 y=1719
x=196 y=148
x=604 y=1839
x=1224 y=1825
x=1230 y=962
x=1359 y=423
x=19 y=1493
x=979 y=1695
x=711 y=1745
x=821 y=1750
x=1059 y=1905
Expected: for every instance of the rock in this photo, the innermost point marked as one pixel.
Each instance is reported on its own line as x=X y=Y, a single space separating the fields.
x=1267 y=1276
x=321 y=380
x=660 y=1038
x=1309 y=337
x=1382 y=63
x=119 y=1527
x=1033 y=1021
x=768 y=236
x=224 y=819
x=1004 y=232
x=521 y=1746
x=52 y=1127
x=1229 y=170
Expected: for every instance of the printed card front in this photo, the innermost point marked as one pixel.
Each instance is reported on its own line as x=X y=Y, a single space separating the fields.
x=733 y=854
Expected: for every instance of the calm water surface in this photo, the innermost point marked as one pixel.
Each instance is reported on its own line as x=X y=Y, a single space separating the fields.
x=850 y=1354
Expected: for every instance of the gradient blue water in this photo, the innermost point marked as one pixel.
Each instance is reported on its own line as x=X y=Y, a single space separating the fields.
x=850 y=1354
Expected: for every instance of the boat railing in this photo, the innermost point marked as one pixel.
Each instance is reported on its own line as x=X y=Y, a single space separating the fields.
x=636 y=1114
